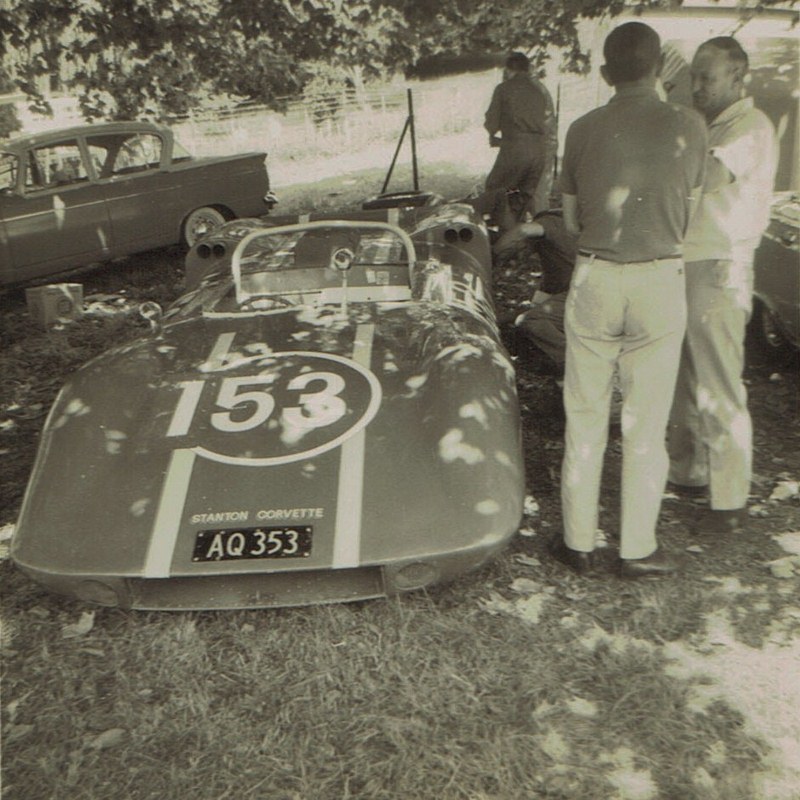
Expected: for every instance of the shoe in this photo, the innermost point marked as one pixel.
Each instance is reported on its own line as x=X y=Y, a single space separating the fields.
x=580 y=562
x=682 y=490
x=720 y=522
x=652 y=566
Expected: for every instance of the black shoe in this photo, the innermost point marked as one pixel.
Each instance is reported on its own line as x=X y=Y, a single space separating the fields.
x=652 y=566
x=576 y=560
x=682 y=490
x=715 y=522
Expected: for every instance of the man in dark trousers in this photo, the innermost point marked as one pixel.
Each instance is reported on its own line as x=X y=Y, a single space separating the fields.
x=631 y=175
x=521 y=111
x=543 y=322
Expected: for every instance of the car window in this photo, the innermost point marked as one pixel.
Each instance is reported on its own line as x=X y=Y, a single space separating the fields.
x=8 y=172
x=180 y=153
x=124 y=153
x=55 y=165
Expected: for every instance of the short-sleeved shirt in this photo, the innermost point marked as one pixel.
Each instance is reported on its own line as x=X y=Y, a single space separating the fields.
x=731 y=218
x=557 y=250
x=521 y=106
x=633 y=165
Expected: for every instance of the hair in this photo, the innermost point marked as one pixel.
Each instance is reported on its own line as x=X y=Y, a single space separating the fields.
x=518 y=62
x=632 y=51
x=732 y=49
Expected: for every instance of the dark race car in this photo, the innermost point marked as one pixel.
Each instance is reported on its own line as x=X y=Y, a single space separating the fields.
x=327 y=414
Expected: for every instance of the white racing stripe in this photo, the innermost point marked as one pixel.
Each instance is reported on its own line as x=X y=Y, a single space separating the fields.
x=168 y=517
x=347 y=535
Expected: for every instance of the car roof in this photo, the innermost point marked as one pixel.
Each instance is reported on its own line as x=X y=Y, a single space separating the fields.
x=20 y=143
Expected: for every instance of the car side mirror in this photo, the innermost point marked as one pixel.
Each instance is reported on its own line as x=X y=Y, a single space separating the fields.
x=153 y=313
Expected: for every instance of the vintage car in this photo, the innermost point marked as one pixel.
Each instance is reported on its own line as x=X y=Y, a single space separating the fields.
x=79 y=195
x=326 y=414
x=775 y=324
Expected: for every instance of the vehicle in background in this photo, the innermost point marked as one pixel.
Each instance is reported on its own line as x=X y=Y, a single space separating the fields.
x=90 y=193
x=775 y=324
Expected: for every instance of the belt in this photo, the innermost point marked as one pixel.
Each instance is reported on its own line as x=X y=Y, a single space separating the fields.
x=589 y=254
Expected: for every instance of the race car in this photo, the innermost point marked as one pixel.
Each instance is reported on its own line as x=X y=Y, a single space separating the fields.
x=327 y=414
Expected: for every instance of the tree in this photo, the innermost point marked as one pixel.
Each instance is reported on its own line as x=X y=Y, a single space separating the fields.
x=133 y=58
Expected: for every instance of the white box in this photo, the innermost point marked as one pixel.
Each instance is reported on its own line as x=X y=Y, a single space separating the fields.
x=56 y=301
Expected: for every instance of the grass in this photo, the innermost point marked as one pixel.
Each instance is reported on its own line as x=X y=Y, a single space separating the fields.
x=485 y=689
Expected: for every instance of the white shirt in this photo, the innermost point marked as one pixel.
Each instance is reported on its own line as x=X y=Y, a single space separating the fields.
x=731 y=218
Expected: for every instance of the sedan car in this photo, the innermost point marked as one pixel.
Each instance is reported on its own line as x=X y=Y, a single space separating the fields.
x=327 y=414
x=90 y=193
x=775 y=325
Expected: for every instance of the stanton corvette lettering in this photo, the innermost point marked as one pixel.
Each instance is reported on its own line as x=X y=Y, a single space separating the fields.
x=290 y=513
x=220 y=516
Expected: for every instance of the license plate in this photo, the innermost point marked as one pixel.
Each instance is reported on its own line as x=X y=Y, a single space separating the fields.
x=236 y=544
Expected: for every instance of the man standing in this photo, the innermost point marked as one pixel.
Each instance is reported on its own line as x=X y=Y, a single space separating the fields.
x=630 y=173
x=522 y=112
x=710 y=434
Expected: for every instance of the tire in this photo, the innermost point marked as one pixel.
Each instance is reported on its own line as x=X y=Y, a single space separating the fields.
x=766 y=337
x=200 y=222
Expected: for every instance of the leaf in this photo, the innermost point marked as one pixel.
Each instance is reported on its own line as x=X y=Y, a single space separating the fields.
x=527 y=532
x=785 y=490
x=79 y=628
x=695 y=548
x=530 y=507
x=788 y=542
x=524 y=586
x=107 y=739
x=582 y=707
x=527 y=561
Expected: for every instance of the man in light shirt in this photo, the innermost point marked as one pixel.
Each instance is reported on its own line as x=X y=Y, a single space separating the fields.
x=710 y=432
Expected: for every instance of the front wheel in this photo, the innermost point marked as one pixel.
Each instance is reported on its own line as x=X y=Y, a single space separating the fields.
x=200 y=222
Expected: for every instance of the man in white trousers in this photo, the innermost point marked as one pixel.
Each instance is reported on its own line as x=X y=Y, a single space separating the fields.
x=710 y=432
x=631 y=172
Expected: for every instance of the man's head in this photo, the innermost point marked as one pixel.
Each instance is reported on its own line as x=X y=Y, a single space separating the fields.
x=718 y=70
x=516 y=64
x=632 y=54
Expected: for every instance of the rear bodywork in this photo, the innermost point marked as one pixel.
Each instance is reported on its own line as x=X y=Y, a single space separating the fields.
x=342 y=428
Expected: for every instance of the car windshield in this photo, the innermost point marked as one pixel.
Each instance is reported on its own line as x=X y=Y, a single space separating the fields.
x=302 y=259
x=8 y=172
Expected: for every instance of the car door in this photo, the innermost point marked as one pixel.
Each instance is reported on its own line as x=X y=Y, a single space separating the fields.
x=56 y=219
x=128 y=165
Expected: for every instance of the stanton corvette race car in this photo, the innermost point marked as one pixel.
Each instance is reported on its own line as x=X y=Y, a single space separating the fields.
x=326 y=414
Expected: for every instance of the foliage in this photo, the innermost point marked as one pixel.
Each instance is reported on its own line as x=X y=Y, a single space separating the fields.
x=8 y=113
x=154 y=58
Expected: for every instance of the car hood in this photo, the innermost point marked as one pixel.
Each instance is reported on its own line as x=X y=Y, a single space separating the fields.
x=390 y=431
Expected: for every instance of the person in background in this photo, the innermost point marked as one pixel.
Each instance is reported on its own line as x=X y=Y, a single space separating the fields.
x=710 y=432
x=631 y=173
x=543 y=322
x=521 y=111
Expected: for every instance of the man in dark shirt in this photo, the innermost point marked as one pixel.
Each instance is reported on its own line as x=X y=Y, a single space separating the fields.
x=522 y=112
x=631 y=172
x=543 y=322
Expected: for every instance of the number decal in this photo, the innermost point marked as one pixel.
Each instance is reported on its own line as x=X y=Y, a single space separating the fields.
x=231 y=398
x=260 y=547
x=187 y=405
x=292 y=547
x=317 y=409
x=298 y=404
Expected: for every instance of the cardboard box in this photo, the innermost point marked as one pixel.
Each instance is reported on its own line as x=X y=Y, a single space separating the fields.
x=57 y=301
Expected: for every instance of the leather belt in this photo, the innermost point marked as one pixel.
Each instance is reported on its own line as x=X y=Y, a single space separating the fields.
x=589 y=254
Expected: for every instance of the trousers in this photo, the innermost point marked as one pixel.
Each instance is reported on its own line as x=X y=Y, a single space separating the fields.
x=710 y=437
x=519 y=165
x=632 y=317
x=543 y=324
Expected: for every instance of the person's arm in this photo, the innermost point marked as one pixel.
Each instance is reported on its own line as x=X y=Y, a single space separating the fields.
x=514 y=237
x=569 y=207
x=492 y=121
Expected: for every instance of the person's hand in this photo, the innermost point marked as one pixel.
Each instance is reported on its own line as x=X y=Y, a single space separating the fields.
x=513 y=238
